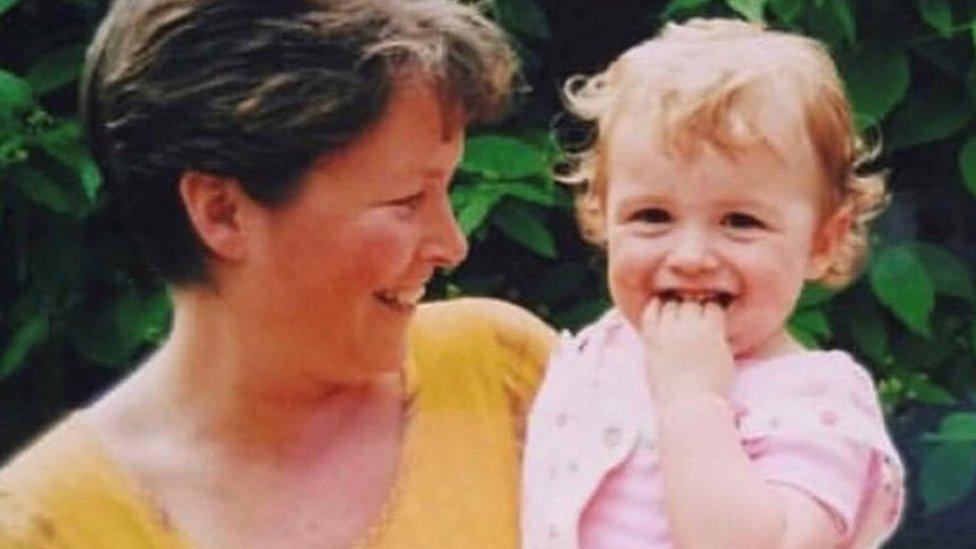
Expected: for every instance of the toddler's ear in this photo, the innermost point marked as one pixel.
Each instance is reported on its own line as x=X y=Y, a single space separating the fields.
x=828 y=240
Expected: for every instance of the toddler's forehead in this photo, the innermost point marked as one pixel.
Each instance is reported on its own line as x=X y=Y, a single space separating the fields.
x=680 y=130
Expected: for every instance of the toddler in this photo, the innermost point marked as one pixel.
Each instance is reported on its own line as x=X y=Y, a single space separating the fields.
x=723 y=176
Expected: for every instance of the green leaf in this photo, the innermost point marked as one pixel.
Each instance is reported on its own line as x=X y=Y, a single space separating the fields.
x=12 y=151
x=955 y=427
x=6 y=5
x=867 y=328
x=810 y=326
x=876 y=82
x=831 y=21
x=938 y=15
x=967 y=164
x=519 y=224
x=64 y=143
x=949 y=274
x=845 y=16
x=39 y=188
x=920 y=389
x=788 y=11
x=23 y=340
x=532 y=190
x=933 y=111
x=947 y=474
x=503 y=157
x=523 y=17
x=15 y=92
x=677 y=6
x=814 y=294
x=948 y=462
x=56 y=69
x=142 y=319
x=901 y=282
x=91 y=178
x=472 y=204
x=750 y=9
x=114 y=334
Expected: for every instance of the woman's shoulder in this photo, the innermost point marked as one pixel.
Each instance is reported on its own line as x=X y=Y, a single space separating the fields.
x=62 y=491
x=46 y=458
x=491 y=325
x=480 y=344
x=39 y=482
x=481 y=311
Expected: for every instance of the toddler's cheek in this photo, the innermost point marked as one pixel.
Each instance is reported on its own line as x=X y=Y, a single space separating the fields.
x=630 y=298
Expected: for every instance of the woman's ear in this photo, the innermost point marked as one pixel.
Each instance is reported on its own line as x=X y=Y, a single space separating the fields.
x=214 y=205
x=827 y=241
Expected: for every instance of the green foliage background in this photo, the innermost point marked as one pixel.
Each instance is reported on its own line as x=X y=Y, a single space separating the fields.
x=77 y=309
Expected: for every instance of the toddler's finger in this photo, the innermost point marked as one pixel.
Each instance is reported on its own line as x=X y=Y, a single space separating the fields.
x=651 y=314
x=714 y=314
x=689 y=310
x=670 y=310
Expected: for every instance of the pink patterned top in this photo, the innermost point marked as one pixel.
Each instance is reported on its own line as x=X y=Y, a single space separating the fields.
x=808 y=420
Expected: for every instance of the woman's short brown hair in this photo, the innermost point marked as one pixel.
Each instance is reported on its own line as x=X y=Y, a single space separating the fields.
x=258 y=89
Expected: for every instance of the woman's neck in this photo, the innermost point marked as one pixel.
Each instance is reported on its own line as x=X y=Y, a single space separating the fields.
x=217 y=381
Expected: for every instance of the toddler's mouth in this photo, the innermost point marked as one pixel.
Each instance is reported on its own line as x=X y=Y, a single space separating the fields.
x=722 y=298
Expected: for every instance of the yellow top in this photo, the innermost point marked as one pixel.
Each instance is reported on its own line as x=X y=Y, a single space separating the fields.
x=474 y=368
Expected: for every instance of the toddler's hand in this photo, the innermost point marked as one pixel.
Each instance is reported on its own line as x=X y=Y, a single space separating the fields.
x=685 y=348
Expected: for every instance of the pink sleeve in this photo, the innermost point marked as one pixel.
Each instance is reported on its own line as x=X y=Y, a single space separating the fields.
x=815 y=424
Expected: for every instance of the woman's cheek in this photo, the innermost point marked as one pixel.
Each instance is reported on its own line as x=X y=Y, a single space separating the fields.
x=386 y=248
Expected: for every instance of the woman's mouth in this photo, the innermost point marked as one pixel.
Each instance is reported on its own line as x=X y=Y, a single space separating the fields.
x=405 y=299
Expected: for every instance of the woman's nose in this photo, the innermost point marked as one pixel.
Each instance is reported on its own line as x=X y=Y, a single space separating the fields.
x=446 y=244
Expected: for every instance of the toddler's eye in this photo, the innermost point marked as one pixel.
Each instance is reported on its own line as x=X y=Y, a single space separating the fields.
x=739 y=220
x=651 y=215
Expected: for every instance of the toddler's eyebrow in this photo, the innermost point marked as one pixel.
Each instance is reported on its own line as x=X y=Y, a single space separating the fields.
x=757 y=205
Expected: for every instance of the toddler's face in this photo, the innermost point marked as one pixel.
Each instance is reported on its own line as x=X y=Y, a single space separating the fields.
x=745 y=231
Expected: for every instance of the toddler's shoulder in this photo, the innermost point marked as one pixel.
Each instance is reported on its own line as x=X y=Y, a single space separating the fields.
x=804 y=374
x=814 y=421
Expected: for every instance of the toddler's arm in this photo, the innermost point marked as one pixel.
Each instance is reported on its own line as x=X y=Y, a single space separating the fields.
x=715 y=495
x=718 y=492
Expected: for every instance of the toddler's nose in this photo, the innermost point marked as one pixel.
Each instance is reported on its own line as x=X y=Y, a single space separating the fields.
x=692 y=254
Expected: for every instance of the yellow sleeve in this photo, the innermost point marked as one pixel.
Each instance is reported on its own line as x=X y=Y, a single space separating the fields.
x=22 y=528
x=62 y=492
x=480 y=342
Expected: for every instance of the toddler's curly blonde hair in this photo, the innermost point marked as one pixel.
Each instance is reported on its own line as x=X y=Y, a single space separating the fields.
x=703 y=82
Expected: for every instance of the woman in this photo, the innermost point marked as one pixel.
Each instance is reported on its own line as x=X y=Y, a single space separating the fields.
x=285 y=165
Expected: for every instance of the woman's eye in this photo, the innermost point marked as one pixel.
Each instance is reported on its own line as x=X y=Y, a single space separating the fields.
x=411 y=202
x=651 y=215
x=738 y=220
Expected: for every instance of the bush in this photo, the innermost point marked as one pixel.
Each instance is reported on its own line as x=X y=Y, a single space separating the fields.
x=78 y=309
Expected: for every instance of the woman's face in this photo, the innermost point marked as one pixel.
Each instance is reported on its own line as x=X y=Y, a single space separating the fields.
x=342 y=266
